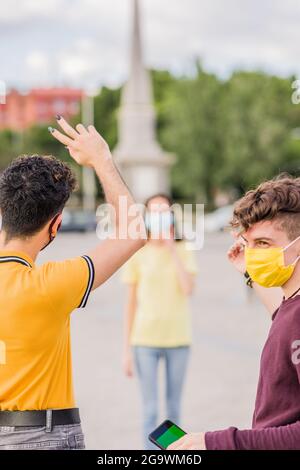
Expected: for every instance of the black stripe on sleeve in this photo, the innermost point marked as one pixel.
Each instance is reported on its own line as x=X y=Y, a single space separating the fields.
x=16 y=259
x=90 y=281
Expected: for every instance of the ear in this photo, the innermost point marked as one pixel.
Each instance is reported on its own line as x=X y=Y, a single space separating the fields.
x=298 y=248
x=55 y=225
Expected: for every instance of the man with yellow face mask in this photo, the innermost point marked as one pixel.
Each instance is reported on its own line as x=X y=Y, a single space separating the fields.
x=267 y=252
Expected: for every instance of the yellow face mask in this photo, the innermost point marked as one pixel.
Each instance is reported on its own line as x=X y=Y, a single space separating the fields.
x=266 y=266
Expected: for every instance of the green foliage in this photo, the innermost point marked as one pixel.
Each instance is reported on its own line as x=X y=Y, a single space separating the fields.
x=192 y=132
x=106 y=108
x=258 y=118
x=163 y=81
x=38 y=140
x=227 y=135
x=10 y=142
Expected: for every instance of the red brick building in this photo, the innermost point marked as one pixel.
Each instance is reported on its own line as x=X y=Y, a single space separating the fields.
x=39 y=106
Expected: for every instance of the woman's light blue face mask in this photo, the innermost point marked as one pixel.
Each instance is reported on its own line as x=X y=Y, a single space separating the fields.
x=159 y=223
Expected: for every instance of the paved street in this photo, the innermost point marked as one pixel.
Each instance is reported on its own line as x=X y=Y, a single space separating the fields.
x=229 y=331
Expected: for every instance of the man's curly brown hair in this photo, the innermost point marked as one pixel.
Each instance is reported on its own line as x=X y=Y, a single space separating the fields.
x=33 y=189
x=277 y=199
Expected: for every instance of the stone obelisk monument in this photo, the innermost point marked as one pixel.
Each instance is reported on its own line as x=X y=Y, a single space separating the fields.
x=143 y=164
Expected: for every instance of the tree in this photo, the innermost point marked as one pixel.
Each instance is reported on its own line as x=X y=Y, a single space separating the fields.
x=162 y=80
x=192 y=132
x=10 y=144
x=226 y=135
x=258 y=118
x=106 y=109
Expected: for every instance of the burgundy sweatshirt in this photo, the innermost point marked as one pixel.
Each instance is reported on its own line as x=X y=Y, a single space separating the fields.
x=276 y=420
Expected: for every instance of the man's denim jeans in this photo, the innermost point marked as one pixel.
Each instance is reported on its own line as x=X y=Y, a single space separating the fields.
x=68 y=437
x=147 y=360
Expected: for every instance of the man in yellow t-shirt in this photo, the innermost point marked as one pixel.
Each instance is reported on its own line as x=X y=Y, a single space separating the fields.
x=37 y=405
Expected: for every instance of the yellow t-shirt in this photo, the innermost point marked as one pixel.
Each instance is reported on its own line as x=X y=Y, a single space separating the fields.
x=35 y=352
x=162 y=318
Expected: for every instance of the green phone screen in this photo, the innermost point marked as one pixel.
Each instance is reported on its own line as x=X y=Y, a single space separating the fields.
x=169 y=436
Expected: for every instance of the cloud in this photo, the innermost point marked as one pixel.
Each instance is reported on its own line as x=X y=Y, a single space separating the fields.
x=15 y=12
x=84 y=41
x=36 y=60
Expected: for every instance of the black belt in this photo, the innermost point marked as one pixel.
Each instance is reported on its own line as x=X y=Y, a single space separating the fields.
x=48 y=418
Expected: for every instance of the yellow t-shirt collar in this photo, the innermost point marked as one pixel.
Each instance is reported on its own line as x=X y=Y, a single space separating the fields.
x=15 y=254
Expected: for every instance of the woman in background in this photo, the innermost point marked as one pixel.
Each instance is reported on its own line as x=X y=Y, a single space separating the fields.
x=160 y=277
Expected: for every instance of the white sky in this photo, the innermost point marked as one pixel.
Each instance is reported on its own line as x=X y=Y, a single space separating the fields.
x=85 y=42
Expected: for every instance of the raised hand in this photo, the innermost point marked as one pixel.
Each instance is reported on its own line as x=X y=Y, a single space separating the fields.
x=86 y=146
x=236 y=253
x=236 y=256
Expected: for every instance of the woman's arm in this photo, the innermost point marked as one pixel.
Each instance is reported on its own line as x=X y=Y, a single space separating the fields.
x=128 y=323
x=186 y=279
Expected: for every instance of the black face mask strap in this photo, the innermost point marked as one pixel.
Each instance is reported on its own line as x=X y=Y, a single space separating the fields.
x=52 y=237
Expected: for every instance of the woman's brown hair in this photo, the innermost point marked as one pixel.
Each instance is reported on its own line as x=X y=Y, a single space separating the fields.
x=170 y=201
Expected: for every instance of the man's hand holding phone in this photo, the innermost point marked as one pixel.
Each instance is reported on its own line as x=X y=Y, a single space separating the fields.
x=194 y=441
x=169 y=436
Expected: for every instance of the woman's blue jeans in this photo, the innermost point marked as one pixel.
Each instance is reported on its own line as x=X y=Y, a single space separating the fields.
x=147 y=360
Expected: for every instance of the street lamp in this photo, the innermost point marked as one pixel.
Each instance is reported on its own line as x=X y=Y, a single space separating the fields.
x=88 y=176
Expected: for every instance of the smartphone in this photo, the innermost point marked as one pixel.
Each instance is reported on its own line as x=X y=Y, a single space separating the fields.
x=166 y=434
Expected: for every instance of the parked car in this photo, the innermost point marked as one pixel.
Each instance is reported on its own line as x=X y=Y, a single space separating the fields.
x=78 y=221
x=219 y=219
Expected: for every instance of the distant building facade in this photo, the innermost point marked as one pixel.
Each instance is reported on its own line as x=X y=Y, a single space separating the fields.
x=39 y=106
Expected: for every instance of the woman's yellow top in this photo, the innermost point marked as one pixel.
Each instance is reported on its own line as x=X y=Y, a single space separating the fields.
x=162 y=318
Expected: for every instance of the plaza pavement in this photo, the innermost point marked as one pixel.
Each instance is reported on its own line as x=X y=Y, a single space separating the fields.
x=229 y=329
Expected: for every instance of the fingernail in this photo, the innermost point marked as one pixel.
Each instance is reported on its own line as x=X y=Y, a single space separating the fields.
x=51 y=130
x=58 y=117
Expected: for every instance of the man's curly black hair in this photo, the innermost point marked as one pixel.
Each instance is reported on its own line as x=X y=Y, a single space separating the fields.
x=33 y=190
